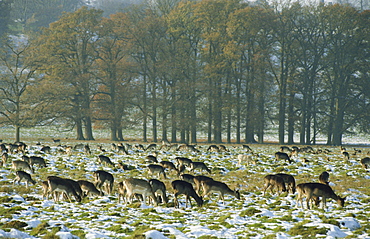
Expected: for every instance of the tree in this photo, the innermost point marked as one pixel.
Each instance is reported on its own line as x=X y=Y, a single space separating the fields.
x=21 y=104
x=67 y=49
x=5 y=8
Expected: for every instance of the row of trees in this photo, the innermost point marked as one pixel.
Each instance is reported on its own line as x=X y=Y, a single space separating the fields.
x=226 y=68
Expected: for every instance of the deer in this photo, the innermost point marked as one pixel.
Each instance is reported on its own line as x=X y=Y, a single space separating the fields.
x=45 y=187
x=272 y=181
x=199 y=165
x=156 y=169
x=187 y=147
x=365 y=162
x=37 y=160
x=169 y=165
x=181 y=161
x=151 y=158
x=181 y=187
x=247 y=148
x=159 y=189
x=324 y=178
x=312 y=190
x=198 y=181
x=104 y=178
x=135 y=186
x=57 y=184
x=289 y=181
x=89 y=188
x=282 y=155
x=151 y=147
x=105 y=160
x=22 y=165
x=213 y=148
x=4 y=158
x=139 y=147
x=121 y=149
x=21 y=175
x=285 y=149
x=187 y=177
x=87 y=149
x=212 y=186
x=246 y=158
x=46 y=149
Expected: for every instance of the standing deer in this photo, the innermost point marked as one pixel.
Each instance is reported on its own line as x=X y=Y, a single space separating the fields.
x=281 y=155
x=104 y=178
x=57 y=184
x=324 y=178
x=33 y=160
x=365 y=162
x=136 y=186
x=159 y=189
x=312 y=190
x=89 y=188
x=181 y=187
x=200 y=166
x=156 y=169
x=20 y=175
x=4 y=158
x=22 y=165
x=105 y=160
x=289 y=181
x=221 y=188
x=169 y=165
x=272 y=181
x=198 y=182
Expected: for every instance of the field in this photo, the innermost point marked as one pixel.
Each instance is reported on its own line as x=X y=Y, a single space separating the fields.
x=25 y=214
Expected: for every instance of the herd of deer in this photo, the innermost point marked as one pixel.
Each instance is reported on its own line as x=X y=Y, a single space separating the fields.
x=154 y=190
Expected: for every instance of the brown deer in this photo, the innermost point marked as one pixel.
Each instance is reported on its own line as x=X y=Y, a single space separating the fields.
x=344 y=153
x=324 y=178
x=198 y=182
x=89 y=188
x=21 y=175
x=4 y=158
x=282 y=155
x=211 y=186
x=104 y=178
x=159 y=189
x=200 y=166
x=365 y=162
x=169 y=165
x=289 y=181
x=311 y=190
x=57 y=184
x=213 y=148
x=272 y=181
x=22 y=165
x=156 y=169
x=105 y=160
x=182 y=162
x=136 y=186
x=247 y=159
x=181 y=187
x=187 y=177
x=36 y=160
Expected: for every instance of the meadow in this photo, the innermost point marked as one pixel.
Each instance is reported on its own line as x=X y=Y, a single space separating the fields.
x=25 y=214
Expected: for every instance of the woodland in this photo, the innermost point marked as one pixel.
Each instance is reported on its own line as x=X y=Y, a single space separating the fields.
x=172 y=69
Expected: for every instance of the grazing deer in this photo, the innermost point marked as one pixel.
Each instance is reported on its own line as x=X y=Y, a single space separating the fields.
x=187 y=177
x=46 y=149
x=198 y=182
x=272 y=181
x=22 y=166
x=285 y=149
x=45 y=187
x=151 y=147
x=213 y=148
x=4 y=158
x=105 y=160
x=104 y=178
x=122 y=149
x=182 y=187
x=69 y=150
x=281 y=155
x=246 y=158
x=152 y=158
x=20 y=175
x=33 y=160
x=211 y=186
x=223 y=148
x=76 y=186
x=169 y=165
x=57 y=184
x=159 y=189
x=187 y=147
x=181 y=161
x=247 y=148
x=324 y=178
x=199 y=165
x=135 y=186
x=87 y=149
x=289 y=181
x=156 y=169
x=139 y=147
x=311 y=190
x=365 y=162
x=89 y=188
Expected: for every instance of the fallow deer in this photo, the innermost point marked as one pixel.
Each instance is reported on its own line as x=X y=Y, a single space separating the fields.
x=200 y=166
x=198 y=182
x=21 y=175
x=181 y=187
x=324 y=178
x=135 y=186
x=22 y=165
x=221 y=188
x=57 y=184
x=272 y=181
x=365 y=162
x=289 y=181
x=104 y=178
x=159 y=189
x=105 y=160
x=89 y=188
x=169 y=165
x=156 y=169
x=311 y=190
x=281 y=155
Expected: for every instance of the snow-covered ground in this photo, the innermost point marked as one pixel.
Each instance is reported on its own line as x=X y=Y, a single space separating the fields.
x=253 y=216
